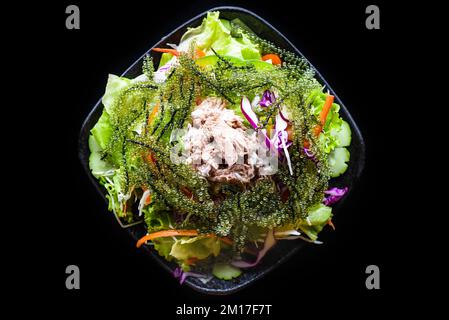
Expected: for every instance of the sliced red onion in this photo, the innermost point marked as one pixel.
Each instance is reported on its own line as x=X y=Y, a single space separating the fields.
x=334 y=195
x=172 y=45
x=281 y=123
x=269 y=243
x=250 y=115
x=283 y=116
x=245 y=106
x=310 y=154
x=279 y=132
x=268 y=98
x=336 y=191
x=162 y=73
x=287 y=155
x=280 y=139
x=143 y=200
x=181 y=275
x=286 y=233
x=267 y=140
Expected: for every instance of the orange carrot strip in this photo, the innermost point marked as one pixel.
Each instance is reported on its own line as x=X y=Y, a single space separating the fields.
x=331 y=224
x=191 y=260
x=153 y=113
x=164 y=50
x=317 y=130
x=199 y=53
x=165 y=233
x=186 y=191
x=147 y=201
x=306 y=144
x=274 y=58
x=326 y=108
x=323 y=114
x=227 y=240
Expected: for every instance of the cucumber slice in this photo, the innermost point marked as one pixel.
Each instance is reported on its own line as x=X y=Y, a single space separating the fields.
x=225 y=271
x=344 y=135
x=337 y=161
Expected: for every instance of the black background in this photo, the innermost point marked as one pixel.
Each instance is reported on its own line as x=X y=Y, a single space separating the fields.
x=71 y=68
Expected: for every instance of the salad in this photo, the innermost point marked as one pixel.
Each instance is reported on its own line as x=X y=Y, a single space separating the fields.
x=225 y=148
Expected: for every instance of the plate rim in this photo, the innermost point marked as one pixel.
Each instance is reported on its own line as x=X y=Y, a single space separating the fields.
x=82 y=143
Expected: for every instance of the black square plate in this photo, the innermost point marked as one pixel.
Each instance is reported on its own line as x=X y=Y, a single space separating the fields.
x=283 y=250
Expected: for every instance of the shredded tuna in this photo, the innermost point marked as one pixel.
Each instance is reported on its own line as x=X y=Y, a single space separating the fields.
x=218 y=144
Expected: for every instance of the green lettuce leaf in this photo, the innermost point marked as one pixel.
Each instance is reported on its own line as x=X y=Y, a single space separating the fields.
x=163 y=246
x=216 y=33
x=113 y=187
x=102 y=130
x=165 y=57
x=198 y=247
x=318 y=217
x=98 y=166
x=113 y=88
x=157 y=215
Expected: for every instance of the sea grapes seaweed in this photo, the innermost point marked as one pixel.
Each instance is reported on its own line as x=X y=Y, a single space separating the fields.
x=148 y=66
x=181 y=174
x=260 y=206
x=128 y=108
x=146 y=157
x=205 y=78
x=177 y=101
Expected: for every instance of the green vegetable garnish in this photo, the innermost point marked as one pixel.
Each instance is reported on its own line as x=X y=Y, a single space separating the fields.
x=202 y=212
x=225 y=271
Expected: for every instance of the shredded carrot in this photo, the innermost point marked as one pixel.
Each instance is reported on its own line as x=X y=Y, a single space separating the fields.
x=147 y=201
x=166 y=233
x=164 y=50
x=199 y=53
x=227 y=240
x=186 y=191
x=150 y=158
x=306 y=144
x=153 y=113
x=274 y=58
x=326 y=108
x=198 y=100
x=331 y=224
x=290 y=132
x=191 y=260
x=323 y=114
x=317 y=130
x=173 y=233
